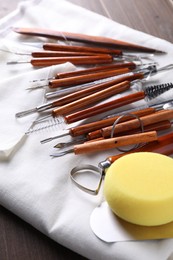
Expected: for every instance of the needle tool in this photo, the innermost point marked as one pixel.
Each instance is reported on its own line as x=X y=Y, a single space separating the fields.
x=163 y=145
x=76 y=60
x=88 y=39
x=89 y=59
x=101 y=145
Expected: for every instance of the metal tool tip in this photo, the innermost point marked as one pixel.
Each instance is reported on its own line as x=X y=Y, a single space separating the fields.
x=46 y=140
x=35 y=87
x=58 y=146
x=11 y=62
x=25 y=113
x=160 y=52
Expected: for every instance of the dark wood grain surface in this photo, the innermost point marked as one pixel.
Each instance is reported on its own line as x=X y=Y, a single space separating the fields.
x=18 y=240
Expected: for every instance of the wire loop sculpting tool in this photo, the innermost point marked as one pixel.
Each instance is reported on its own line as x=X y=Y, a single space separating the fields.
x=159 y=126
x=134 y=123
x=162 y=145
x=82 y=129
x=87 y=128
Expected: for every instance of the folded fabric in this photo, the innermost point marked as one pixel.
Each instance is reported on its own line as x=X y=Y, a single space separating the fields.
x=34 y=186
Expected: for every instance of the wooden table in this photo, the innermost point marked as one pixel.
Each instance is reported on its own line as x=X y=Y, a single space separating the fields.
x=18 y=240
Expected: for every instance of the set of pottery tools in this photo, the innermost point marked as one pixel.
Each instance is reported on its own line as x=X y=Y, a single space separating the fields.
x=104 y=68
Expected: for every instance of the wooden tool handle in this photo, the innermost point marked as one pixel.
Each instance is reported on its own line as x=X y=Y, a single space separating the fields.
x=92 y=127
x=95 y=110
x=89 y=39
x=163 y=145
x=119 y=65
x=91 y=99
x=71 y=48
x=80 y=60
x=153 y=127
x=115 y=142
x=159 y=126
x=68 y=82
x=89 y=90
x=44 y=54
x=133 y=124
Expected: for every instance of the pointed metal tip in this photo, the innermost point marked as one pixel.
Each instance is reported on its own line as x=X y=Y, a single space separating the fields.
x=25 y=113
x=12 y=62
x=42 y=119
x=36 y=87
x=16 y=62
x=53 y=138
x=46 y=140
x=58 y=146
x=160 y=52
x=62 y=153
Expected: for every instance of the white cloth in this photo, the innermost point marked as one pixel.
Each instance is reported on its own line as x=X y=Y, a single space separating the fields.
x=34 y=186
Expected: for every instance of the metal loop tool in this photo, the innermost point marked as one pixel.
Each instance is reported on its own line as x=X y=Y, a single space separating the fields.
x=102 y=166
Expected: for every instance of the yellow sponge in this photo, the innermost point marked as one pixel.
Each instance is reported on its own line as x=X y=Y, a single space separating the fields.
x=139 y=188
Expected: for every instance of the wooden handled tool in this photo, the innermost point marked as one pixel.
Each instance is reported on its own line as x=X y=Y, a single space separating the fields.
x=76 y=80
x=110 y=143
x=48 y=54
x=79 y=49
x=87 y=128
x=95 y=110
x=78 y=37
x=134 y=123
x=91 y=99
x=163 y=145
x=79 y=94
x=76 y=60
x=119 y=65
x=156 y=126
x=90 y=127
x=100 y=145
